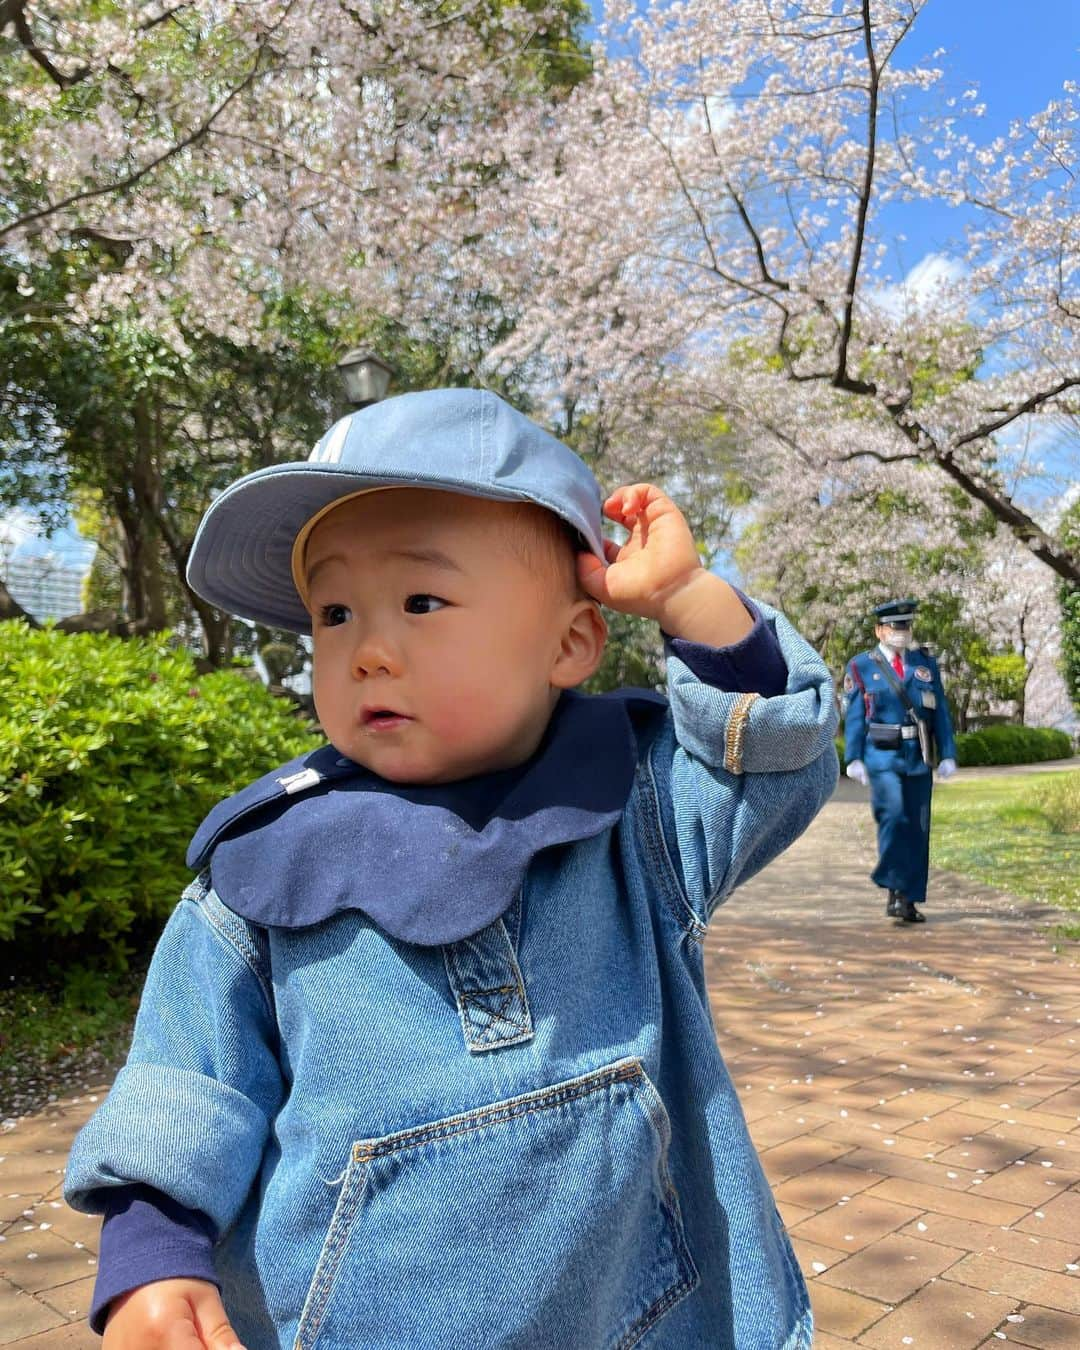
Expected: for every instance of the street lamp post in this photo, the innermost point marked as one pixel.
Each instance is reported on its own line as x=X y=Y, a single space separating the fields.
x=365 y=376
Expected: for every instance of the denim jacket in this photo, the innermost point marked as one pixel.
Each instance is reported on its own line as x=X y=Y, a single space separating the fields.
x=520 y=1137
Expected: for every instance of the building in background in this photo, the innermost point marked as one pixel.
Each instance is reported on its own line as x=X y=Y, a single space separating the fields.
x=45 y=575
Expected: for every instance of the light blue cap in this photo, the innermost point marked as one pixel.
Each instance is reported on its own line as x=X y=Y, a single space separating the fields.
x=460 y=440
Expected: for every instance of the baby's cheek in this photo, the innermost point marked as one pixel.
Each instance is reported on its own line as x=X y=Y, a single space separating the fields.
x=460 y=717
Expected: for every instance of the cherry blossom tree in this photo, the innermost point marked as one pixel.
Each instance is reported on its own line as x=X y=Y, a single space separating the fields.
x=683 y=248
x=220 y=150
x=706 y=224
x=201 y=205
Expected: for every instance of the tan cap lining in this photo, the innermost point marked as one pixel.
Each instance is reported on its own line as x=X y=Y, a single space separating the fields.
x=299 y=548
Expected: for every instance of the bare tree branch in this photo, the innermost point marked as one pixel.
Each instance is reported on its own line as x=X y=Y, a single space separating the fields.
x=864 y=202
x=874 y=454
x=1029 y=405
x=1000 y=505
x=258 y=67
x=14 y=12
x=766 y=275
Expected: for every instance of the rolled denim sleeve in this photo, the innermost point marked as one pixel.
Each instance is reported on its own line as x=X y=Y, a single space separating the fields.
x=743 y=775
x=189 y=1113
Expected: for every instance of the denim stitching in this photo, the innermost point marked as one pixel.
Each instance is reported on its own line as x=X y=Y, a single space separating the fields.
x=476 y=996
x=475 y=1009
x=531 y=1104
x=250 y=944
x=364 y=1153
x=480 y=1020
x=656 y=1113
x=326 y=1268
x=663 y=1304
x=659 y=856
x=488 y=1036
x=464 y=997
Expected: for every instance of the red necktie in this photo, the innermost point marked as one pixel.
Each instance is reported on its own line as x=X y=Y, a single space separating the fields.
x=897 y=664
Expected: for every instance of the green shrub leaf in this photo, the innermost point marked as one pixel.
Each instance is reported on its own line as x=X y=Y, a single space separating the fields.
x=111 y=753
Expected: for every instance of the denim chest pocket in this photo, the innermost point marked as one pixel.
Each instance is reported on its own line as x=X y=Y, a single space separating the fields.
x=547 y=1219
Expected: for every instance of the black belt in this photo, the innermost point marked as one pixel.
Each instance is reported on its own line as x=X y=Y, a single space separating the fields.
x=893 y=730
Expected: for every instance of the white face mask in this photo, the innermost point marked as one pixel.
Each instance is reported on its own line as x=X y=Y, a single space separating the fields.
x=897 y=639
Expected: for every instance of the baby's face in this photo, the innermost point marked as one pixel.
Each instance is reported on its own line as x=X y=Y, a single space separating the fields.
x=434 y=642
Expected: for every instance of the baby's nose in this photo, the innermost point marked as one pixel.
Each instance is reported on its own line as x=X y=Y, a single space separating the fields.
x=373 y=655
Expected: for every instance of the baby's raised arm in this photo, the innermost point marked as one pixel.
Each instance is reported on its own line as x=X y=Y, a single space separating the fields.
x=658 y=574
x=170 y=1315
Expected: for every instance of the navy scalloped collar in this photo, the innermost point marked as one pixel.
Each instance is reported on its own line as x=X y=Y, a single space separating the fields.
x=428 y=865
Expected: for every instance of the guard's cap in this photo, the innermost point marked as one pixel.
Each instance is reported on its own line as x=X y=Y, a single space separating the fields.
x=458 y=440
x=899 y=613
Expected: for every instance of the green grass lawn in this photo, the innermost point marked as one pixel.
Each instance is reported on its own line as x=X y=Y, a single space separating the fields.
x=993 y=829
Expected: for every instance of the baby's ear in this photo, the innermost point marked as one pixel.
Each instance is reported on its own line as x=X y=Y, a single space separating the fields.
x=582 y=646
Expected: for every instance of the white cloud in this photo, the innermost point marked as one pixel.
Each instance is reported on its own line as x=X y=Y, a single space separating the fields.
x=926 y=286
x=721 y=111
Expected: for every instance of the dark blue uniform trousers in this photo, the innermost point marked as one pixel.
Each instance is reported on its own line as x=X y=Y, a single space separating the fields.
x=901 y=805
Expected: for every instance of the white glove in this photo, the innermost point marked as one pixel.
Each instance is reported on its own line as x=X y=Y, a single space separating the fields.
x=857 y=770
x=946 y=768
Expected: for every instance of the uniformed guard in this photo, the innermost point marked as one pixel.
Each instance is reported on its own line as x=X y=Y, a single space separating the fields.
x=897 y=724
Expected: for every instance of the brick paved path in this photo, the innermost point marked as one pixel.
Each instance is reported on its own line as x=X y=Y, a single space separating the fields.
x=914 y=1092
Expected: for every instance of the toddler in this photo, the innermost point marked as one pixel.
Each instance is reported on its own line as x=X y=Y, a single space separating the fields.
x=424 y=1057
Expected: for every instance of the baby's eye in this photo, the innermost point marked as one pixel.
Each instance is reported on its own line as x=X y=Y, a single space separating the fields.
x=423 y=604
x=333 y=615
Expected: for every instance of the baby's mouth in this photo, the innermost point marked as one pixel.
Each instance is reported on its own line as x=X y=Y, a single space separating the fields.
x=378 y=718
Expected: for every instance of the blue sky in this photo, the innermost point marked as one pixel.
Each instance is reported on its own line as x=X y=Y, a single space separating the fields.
x=1018 y=54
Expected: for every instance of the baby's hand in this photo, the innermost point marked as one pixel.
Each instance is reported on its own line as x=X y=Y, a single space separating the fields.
x=170 y=1315
x=659 y=556
x=657 y=573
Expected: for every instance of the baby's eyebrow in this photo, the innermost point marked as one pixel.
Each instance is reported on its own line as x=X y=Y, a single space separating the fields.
x=432 y=556
x=313 y=571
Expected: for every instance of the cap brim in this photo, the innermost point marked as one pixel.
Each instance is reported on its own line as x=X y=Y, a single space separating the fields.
x=241 y=558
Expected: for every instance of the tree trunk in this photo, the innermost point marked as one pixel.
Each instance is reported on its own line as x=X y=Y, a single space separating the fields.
x=136 y=503
x=11 y=609
x=215 y=624
x=146 y=501
x=216 y=628
x=132 y=548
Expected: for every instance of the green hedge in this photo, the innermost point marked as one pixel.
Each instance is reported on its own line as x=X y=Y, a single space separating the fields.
x=1006 y=744
x=111 y=753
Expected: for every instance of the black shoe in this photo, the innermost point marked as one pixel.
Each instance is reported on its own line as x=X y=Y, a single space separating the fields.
x=909 y=913
x=892 y=905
